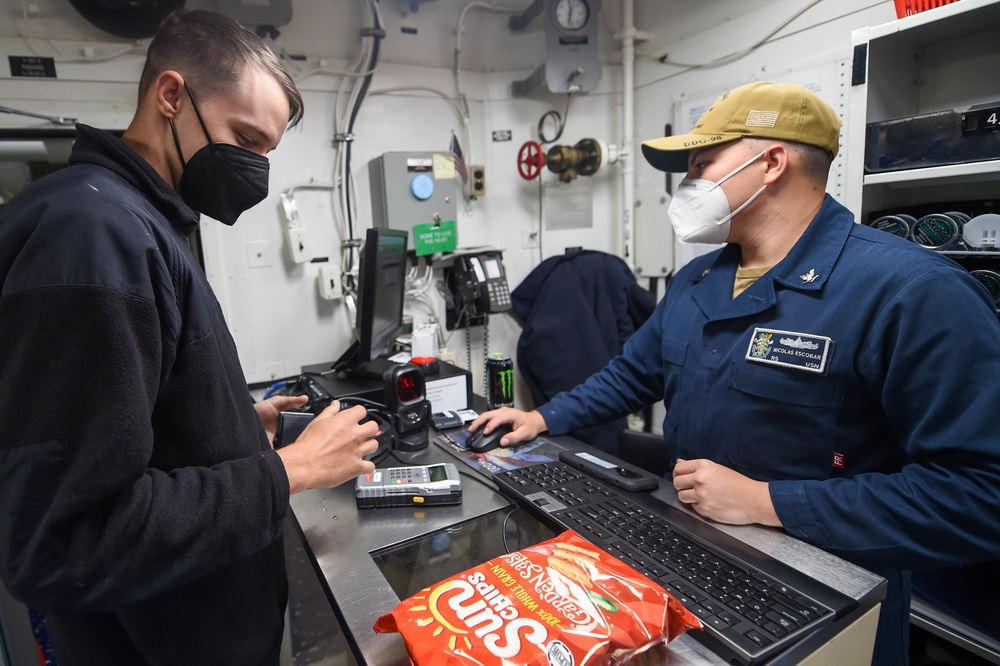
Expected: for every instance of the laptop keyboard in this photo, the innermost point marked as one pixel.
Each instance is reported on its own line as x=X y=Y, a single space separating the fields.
x=748 y=614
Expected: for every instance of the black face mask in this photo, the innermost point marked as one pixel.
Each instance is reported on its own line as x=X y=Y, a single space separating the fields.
x=221 y=180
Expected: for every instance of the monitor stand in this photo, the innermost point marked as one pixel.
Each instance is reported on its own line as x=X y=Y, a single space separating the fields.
x=352 y=367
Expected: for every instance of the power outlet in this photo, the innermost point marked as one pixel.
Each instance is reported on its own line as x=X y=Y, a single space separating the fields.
x=478 y=174
x=328 y=280
x=298 y=243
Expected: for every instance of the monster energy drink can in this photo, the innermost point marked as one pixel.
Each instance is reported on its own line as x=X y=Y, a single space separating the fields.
x=499 y=381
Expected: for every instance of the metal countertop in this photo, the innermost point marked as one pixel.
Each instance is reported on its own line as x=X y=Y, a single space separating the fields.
x=340 y=539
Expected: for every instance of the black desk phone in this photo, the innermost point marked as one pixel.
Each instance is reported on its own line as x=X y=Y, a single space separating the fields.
x=477 y=286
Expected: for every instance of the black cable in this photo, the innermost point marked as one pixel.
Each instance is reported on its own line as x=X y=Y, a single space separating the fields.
x=503 y=529
x=377 y=34
x=478 y=479
x=559 y=119
x=468 y=348
x=486 y=354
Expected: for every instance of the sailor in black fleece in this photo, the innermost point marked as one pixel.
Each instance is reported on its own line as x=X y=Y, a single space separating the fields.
x=141 y=504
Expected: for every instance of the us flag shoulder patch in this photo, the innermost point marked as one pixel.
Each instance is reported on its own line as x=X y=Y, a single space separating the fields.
x=762 y=118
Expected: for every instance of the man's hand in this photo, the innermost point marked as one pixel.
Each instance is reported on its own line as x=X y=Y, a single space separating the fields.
x=330 y=450
x=269 y=409
x=723 y=495
x=526 y=425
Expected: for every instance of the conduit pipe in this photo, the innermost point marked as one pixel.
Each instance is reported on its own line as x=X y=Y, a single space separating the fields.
x=627 y=154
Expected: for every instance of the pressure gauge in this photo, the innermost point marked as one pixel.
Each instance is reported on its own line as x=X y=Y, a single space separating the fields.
x=571 y=14
x=572 y=58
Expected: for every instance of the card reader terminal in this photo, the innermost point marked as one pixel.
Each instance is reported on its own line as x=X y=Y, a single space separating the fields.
x=409 y=486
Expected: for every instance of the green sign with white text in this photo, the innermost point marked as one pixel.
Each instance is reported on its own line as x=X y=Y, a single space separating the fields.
x=435 y=237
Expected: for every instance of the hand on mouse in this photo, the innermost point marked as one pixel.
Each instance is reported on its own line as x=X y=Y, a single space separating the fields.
x=481 y=442
x=526 y=425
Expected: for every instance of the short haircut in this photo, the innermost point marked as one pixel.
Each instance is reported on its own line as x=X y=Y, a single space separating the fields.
x=212 y=51
x=816 y=161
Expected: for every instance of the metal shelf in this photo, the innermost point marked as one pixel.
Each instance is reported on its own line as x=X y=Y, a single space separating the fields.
x=939 y=175
x=980 y=254
x=929 y=62
x=929 y=617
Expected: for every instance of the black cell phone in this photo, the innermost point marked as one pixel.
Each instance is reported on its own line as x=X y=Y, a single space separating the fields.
x=612 y=470
x=290 y=426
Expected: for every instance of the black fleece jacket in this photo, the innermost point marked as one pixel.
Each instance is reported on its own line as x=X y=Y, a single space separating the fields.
x=140 y=504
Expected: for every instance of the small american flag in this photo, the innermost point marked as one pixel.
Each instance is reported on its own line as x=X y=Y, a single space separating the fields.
x=762 y=118
x=456 y=153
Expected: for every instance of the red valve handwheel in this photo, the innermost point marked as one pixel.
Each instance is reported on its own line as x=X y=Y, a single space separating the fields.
x=530 y=160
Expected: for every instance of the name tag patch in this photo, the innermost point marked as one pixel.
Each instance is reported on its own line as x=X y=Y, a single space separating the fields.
x=789 y=349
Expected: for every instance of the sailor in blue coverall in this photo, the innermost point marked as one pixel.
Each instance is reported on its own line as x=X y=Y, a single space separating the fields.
x=845 y=393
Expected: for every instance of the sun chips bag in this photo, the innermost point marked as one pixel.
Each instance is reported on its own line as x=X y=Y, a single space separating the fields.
x=562 y=602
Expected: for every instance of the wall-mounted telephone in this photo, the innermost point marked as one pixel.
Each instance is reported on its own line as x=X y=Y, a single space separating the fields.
x=477 y=286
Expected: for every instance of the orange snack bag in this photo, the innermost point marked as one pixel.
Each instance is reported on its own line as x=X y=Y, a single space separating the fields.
x=561 y=602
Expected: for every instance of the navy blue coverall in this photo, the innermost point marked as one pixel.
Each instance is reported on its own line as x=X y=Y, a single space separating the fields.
x=859 y=377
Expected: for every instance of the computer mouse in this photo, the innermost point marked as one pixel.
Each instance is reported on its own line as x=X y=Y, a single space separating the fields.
x=480 y=443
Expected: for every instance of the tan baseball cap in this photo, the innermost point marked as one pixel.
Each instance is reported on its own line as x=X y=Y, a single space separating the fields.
x=782 y=111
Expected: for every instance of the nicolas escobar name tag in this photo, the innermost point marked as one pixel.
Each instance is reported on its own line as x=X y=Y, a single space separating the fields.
x=789 y=350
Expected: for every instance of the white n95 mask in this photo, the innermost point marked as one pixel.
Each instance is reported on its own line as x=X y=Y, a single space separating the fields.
x=699 y=210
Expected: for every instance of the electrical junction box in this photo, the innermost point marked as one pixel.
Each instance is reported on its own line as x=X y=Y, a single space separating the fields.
x=654 y=237
x=412 y=188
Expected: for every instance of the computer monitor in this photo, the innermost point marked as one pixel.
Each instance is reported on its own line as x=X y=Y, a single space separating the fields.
x=381 y=288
